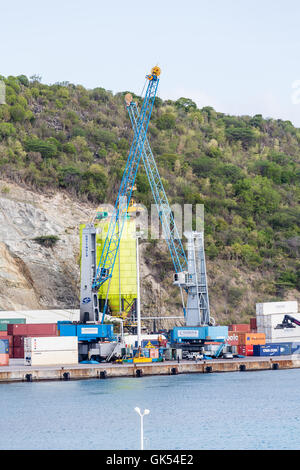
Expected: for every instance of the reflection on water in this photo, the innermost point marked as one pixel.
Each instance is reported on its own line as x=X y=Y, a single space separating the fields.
x=211 y=411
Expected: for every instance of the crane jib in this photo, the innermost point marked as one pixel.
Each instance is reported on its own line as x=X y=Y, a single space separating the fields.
x=114 y=234
x=165 y=213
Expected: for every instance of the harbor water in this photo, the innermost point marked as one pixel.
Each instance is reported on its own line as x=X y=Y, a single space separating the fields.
x=241 y=410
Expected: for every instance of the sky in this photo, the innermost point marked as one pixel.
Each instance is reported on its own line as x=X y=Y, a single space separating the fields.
x=239 y=57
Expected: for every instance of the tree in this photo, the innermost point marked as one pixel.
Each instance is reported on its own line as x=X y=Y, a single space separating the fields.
x=186 y=104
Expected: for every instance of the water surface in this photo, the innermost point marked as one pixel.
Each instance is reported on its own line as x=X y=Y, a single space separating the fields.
x=241 y=410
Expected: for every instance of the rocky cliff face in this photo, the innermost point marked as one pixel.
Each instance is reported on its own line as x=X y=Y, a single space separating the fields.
x=31 y=275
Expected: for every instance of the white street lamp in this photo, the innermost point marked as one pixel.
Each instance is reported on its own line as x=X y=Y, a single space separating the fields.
x=146 y=412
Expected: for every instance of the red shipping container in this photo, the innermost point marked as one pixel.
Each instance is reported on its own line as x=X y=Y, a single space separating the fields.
x=18 y=341
x=253 y=324
x=4 y=359
x=18 y=353
x=34 y=329
x=241 y=328
x=233 y=339
x=245 y=349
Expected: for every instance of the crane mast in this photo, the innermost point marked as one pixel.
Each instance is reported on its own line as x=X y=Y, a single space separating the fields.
x=190 y=274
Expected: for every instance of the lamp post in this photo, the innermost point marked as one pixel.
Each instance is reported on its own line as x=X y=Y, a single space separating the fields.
x=146 y=412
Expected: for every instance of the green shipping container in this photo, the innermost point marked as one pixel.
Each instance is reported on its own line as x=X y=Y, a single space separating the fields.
x=5 y=321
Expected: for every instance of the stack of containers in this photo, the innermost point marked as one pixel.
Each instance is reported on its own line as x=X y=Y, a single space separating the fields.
x=3 y=331
x=4 y=355
x=248 y=340
x=51 y=350
x=233 y=331
x=271 y=314
x=19 y=332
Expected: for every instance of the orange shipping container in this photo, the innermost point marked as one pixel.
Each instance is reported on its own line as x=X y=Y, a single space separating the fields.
x=251 y=338
x=4 y=359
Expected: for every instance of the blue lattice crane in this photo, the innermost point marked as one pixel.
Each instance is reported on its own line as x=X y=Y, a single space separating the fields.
x=91 y=277
x=190 y=273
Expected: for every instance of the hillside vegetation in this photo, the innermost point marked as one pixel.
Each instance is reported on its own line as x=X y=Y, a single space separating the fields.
x=245 y=170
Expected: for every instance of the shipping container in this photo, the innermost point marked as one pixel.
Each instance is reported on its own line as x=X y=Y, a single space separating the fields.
x=295 y=348
x=253 y=324
x=51 y=343
x=270 y=308
x=37 y=329
x=44 y=358
x=6 y=321
x=241 y=328
x=18 y=353
x=266 y=350
x=42 y=316
x=233 y=339
x=18 y=341
x=284 y=348
x=245 y=349
x=251 y=338
x=267 y=324
x=4 y=359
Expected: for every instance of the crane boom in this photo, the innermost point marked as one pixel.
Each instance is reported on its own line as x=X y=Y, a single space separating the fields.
x=161 y=201
x=112 y=241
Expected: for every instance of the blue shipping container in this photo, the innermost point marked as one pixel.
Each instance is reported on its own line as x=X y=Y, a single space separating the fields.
x=67 y=329
x=295 y=348
x=266 y=350
x=3 y=346
x=90 y=332
x=86 y=332
x=185 y=333
x=284 y=348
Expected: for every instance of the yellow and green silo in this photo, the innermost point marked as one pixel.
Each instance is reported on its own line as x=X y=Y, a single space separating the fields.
x=123 y=286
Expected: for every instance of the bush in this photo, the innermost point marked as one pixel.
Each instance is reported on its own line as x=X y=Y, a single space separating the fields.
x=48 y=241
x=46 y=148
x=166 y=121
x=244 y=134
x=18 y=113
x=7 y=129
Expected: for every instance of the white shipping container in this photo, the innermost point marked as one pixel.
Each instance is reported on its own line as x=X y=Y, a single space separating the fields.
x=275 y=319
x=42 y=316
x=270 y=308
x=286 y=333
x=51 y=343
x=46 y=358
